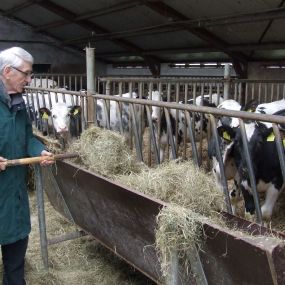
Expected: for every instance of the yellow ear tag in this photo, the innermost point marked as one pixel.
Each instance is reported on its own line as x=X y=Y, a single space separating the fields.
x=271 y=137
x=75 y=112
x=45 y=116
x=226 y=136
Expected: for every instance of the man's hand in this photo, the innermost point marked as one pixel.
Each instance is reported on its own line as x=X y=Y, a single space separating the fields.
x=2 y=163
x=46 y=162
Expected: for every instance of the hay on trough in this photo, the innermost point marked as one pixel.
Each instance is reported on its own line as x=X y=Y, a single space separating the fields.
x=104 y=152
x=180 y=231
x=192 y=198
x=180 y=183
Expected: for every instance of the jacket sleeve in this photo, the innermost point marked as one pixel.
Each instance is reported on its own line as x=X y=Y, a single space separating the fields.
x=34 y=146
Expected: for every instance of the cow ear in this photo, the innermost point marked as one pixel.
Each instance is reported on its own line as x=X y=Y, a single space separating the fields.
x=75 y=111
x=225 y=132
x=44 y=112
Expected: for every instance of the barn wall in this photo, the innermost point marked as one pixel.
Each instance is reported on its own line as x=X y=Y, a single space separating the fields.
x=256 y=71
x=167 y=71
x=61 y=60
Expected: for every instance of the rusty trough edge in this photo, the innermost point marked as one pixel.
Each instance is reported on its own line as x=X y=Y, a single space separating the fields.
x=124 y=221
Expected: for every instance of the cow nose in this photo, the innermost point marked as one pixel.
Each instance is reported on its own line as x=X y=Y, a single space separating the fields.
x=154 y=119
x=62 y=129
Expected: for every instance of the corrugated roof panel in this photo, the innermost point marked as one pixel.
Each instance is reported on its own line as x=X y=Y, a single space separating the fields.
x=161 y=41
x=275 y=32
x=70 y=31
x=7 y=5
x=239 y=33
x=106 y=47
x=214 y=8
x=86 y=6
x=137 y=17
x=36 y=15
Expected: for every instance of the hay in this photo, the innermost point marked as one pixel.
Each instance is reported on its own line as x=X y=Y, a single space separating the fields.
x=179 y=230
x=53 y=145
x=104 y=152
x=180 y=183
x=193 y=198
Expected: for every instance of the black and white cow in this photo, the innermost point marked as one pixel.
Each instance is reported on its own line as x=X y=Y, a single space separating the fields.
x=264 y=157
x=178 y=120
x=55 y=111
x=61 y=113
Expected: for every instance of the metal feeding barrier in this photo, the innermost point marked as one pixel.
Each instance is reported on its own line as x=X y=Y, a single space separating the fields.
x=124 y=221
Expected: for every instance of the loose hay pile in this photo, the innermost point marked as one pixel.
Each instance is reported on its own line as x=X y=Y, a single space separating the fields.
x=179 y=230
x=104 y=152
x=180 y=183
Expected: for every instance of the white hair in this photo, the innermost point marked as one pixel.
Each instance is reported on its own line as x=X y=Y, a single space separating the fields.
x=14 y=57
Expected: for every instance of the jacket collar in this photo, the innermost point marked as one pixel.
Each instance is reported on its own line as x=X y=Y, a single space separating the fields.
x=4 y=97
x=14 y=101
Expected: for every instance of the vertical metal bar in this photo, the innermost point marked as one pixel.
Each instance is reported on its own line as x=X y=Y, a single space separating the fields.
x=227 y=74
x=152 y=136
x=41 y=215
x=173 y=274
x=90 y=71
x=280 y=149
x=197 y=266
x=107 y=113
x=250 y=173
x=170 y=134
x=192 y=139
x=221 y=165
x=138 y=143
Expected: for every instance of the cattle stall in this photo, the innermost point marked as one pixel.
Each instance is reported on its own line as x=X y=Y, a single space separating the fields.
x=143 y=136
x=74 y=82
x=140 y=108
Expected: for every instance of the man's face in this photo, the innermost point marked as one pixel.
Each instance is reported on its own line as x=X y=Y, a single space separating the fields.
x=18 y=77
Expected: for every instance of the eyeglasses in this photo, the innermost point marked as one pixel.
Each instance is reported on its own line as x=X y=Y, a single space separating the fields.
x=27 y=74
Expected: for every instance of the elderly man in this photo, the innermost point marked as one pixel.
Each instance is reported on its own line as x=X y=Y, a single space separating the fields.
x=16 y=141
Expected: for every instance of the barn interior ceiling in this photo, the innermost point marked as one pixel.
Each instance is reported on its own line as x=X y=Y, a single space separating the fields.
x=151 y=32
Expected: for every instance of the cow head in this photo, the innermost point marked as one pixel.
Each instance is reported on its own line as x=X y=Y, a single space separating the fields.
x=61 y=115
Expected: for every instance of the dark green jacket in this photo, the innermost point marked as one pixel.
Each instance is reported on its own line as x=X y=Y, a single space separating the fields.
x=16 y=141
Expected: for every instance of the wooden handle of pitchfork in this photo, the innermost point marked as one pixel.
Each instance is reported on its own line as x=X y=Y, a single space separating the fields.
x=38 y=159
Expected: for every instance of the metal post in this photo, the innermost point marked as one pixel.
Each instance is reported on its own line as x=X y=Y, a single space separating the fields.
x=173 y=274
x=90 y=71
x=41 y=215
x=227 y=76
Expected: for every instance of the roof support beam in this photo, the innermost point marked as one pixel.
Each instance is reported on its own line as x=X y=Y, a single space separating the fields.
x=19 y=7
x=92 y=14
x=202 y=33
x=64 y=13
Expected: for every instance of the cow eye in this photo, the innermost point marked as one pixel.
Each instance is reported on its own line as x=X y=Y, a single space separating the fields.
x=54 y=116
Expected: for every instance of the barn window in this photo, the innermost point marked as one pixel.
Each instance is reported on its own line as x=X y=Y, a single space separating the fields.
x=198 y=65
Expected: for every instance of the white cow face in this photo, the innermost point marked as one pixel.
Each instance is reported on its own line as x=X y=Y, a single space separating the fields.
x=60 y=114
x=156 y=111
